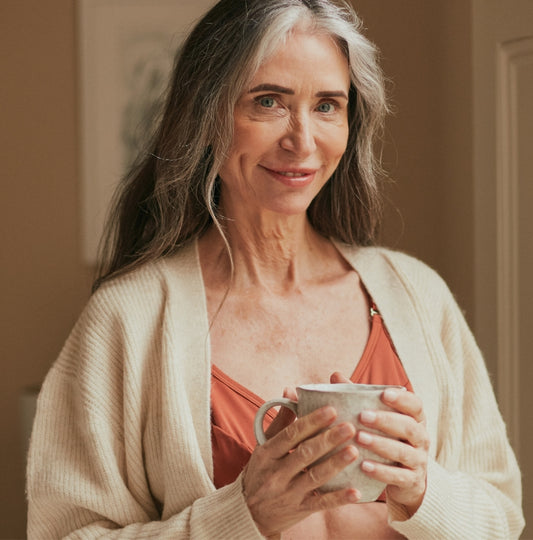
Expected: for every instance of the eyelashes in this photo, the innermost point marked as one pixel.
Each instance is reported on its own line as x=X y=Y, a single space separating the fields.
x=271 y=102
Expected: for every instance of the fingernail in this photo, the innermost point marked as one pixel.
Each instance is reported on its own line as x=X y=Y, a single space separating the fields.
x=364 y=438
x=367 y=466
x=390 y=395
x=368 y=417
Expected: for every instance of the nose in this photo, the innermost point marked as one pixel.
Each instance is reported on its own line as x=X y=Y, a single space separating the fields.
x=299 y=138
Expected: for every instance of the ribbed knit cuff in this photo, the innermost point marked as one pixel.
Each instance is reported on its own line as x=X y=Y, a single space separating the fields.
x=427 y=522
x=225 y=515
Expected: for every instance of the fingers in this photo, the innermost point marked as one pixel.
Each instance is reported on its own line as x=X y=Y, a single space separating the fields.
x=316 y=476
x=284 y=417
x=309 y=451
x=301 y=444
x=405 y=403
x=325 y=501
x=299 y=431
x=282 y=475
x=396 y=451
x=405 y=442
x=397 y=426
x=290 y=393
x=409 y=426
x=338 y=377
x=405 y=485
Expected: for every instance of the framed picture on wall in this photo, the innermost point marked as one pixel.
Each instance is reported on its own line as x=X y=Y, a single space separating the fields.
x=126 y=51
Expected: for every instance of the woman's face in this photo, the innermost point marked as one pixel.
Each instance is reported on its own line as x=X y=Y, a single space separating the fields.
x=290 y=131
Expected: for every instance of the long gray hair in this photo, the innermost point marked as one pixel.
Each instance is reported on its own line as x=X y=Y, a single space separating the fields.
x=170 y=196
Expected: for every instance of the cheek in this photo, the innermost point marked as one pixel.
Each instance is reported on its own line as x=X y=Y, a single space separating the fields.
x=337 y=144
x=258 y=137
x=244 y=146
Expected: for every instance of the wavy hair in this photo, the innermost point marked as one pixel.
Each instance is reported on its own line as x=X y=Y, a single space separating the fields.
x=170 y=195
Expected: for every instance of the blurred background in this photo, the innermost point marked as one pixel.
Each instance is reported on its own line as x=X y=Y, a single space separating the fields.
x=457 y=149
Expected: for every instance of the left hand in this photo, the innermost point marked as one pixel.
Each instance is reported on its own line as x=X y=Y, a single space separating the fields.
x=406 y=479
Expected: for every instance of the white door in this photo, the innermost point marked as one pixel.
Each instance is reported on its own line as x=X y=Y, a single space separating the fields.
x=503 y=171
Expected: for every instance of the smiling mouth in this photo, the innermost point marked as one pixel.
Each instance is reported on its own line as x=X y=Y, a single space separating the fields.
x=293 y=177
x=295 y=173
x=292 y=174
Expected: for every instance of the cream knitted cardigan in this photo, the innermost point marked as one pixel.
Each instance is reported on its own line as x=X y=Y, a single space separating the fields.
x=121 y=443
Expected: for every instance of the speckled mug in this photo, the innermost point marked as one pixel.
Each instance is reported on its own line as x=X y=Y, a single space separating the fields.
x=349 y=400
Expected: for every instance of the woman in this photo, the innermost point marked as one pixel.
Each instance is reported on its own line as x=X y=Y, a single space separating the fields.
x=237 y=268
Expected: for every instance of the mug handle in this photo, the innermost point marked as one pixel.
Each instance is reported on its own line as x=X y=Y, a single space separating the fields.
x=259 y=417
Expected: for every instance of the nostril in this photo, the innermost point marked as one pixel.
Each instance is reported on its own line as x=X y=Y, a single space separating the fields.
x=299 y=139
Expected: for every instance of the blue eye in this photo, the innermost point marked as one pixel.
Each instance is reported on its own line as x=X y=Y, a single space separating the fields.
x=326 y=107
x=267 y=102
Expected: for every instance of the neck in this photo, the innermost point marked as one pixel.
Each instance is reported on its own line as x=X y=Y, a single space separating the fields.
x=278 y=256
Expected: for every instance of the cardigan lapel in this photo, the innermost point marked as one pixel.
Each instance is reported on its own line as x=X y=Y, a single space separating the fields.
x=397 y=303
x=187 y=361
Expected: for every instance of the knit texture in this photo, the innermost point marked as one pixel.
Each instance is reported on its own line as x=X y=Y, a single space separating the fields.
x=121 y=442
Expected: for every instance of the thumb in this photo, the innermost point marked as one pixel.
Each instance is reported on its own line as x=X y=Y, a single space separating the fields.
x=338 y=377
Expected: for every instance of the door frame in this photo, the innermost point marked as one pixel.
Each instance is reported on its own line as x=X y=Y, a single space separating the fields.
x=502 y=38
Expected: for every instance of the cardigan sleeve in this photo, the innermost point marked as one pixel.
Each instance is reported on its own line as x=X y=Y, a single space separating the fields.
x=86 y=476
x=473 y=483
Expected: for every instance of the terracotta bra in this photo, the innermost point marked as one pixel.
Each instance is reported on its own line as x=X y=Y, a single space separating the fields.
x=233 y=407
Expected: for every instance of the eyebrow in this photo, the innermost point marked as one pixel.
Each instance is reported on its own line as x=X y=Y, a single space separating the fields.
x=284 y=90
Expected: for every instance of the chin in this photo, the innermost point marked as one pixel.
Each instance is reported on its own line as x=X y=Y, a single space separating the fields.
x=289 y=210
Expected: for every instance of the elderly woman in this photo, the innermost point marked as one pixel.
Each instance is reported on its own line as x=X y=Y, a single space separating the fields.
x=237 y=267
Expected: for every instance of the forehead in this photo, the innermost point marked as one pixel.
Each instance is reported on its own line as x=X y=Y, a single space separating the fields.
x=305 y=58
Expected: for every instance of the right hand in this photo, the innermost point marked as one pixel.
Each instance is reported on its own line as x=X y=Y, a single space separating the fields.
x=279 y=482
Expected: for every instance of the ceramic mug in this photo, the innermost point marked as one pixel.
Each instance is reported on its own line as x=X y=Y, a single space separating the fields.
x=349 y=400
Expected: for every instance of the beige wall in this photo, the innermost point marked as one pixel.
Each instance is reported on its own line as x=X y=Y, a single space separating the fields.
x=425 y=49
x=44 y=285
x=426 y=53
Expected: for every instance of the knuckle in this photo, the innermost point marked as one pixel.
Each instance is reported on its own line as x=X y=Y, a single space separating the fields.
x=425 y=444
x=420 y=437
x=314 y=476
x=323 y=503
x=416 y=479
x=412 y=432
x=421 y=477
x=406 y=479
x=320 y=502
x=416 y=402
x=330 y=439
x=292 y=432
x=261 y=450
x=304 y=452
x=403 y=455
x=260 y=456
x=418 y=409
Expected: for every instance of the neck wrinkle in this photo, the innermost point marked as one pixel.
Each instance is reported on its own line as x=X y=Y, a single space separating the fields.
x=279 y=260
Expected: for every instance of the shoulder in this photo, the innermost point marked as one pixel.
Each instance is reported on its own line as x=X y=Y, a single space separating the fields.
x=150 y=285
x=392 y=267
x=403 y=282
x=135 y=305
x=128 y=317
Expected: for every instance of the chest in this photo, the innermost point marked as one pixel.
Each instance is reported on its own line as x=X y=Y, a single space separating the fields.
x=267 y=343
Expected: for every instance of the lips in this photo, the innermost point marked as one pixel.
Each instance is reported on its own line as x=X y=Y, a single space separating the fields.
x=291 y=172
x=292 y=177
